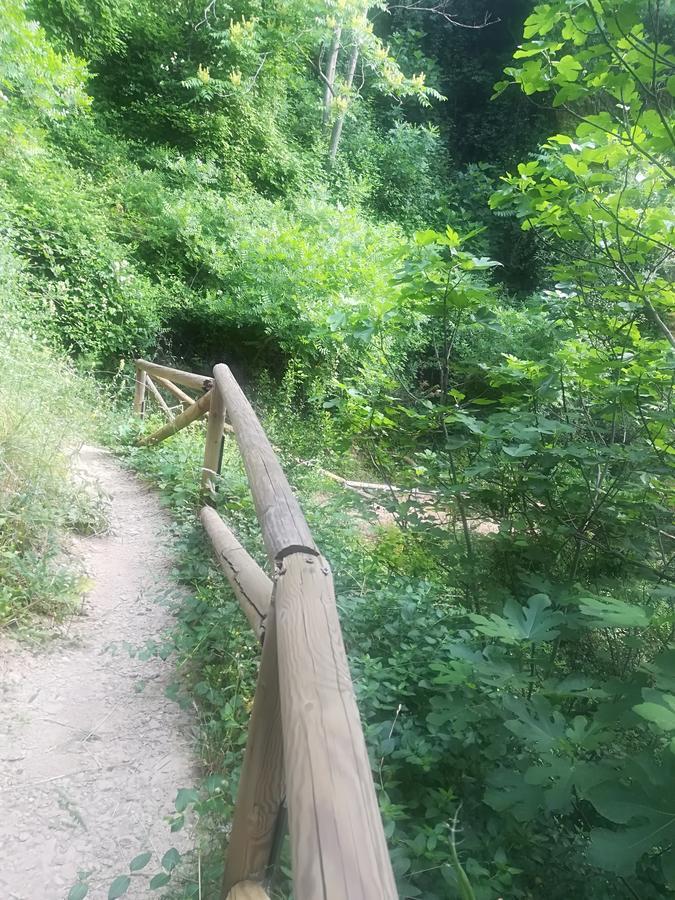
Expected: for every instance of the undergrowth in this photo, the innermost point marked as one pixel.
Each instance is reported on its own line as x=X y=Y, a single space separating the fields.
x=46 y=411
x=217 y=654
x=457 y=707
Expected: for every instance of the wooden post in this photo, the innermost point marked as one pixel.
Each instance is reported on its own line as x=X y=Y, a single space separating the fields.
x=196 y=411
x=252 y=588
x=188 y=379
x=337 y=839
x=161 y=402
x=283 y=525
x=184 y=398
x=139 y=393
x=248 y=890
x=213 y=448
x=261 y=786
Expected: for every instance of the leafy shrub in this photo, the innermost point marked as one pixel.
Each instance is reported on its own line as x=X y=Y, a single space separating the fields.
x=45 y=411
x=54 y=215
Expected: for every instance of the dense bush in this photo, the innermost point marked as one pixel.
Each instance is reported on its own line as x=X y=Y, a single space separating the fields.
x=46 y=410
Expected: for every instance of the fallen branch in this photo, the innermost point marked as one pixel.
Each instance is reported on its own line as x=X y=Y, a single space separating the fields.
x=373 y=486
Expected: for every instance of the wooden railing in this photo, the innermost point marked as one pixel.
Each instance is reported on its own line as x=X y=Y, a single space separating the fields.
x=305 y=751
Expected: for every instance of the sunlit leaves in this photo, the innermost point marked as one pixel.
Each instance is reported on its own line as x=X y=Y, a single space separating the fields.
x=32 y=73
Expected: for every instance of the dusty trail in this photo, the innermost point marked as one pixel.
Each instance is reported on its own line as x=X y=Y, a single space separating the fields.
x=91 y=750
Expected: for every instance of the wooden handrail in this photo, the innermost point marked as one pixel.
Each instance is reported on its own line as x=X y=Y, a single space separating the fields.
x=283 y=525
x=213 y=450
x=247 y=890
x=338 y=846
x=252 y=588
x=188 y=379
x=305 y=747
x=161 y=402
x=258 y=812
x=198 y=409
x=184 y=398
x=139 y=392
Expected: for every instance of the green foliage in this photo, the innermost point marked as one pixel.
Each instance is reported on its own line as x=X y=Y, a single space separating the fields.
x=119 y=887
x=46 y=411
x=52 y=215
x=32 y=76
x=605 y=188
x=511 y=627
x=78 y=892
x=532 y=444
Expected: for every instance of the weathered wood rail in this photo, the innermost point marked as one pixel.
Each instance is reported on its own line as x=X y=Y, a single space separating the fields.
x=305 y=758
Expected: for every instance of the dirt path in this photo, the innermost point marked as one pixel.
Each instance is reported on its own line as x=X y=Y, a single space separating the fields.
x=91 y=750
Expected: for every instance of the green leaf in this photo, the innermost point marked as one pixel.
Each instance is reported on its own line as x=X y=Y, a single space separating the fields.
x=178 y=823
x=608 y=612
x=507 y=790
x=659 y=709
x=140 y=862
x=536 y=723
x=662 y=667
x=119 y=887
x=184 y=798
x=170 y=859
x=646 y=804
x=519 y=451
x=556 y=777
x=534 y=622
x=452 y=238
x=159 y=880
x=78 y=891
x=568 y=68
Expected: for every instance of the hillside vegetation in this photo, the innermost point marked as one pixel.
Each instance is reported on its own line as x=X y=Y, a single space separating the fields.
x=435 y=243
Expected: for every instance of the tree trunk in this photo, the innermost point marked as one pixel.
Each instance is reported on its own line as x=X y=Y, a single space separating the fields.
x=330 y=74
x=339 y=122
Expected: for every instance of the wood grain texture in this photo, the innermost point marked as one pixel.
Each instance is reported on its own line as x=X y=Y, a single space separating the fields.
x=178 y=376
x=261 y=786
x=139 y=392
x=214 y=441
x=161 y=402
x=338 y=845
x=282 y=522
x=248 y=890
x=189 y=415
x=251 y=586
x=184 y=398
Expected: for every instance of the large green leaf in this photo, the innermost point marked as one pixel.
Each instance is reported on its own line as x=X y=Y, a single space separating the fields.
x=507 y=790
x=662 y=667
x=608 y=612
x=536 y=722
x=644 y=801
x=658 y=708
x=534 y=622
